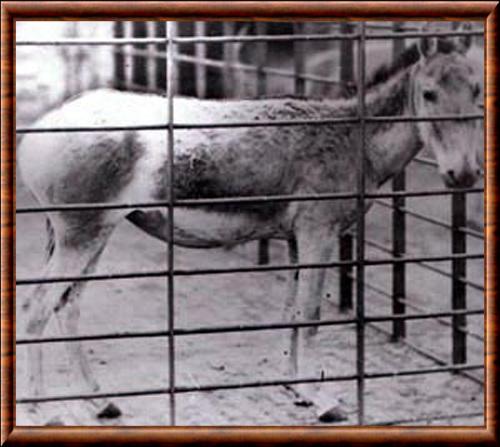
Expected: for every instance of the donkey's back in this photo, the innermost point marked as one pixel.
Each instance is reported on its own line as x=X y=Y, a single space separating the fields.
x=68 y=167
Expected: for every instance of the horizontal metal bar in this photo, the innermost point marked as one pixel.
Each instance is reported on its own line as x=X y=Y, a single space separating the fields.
x=243 y=327
x=403 y=27
x=252 y=269
x=188 y=202
x=423 y=265
x=232 y=39
x=429 y=418
x=425 y=353
x=472 y=233
x=271 y=71
x=243 y=200
x=180 y=126
x=418 y=34
x=254 y=384
x=190 y=40
x=424 y=316
x=269 y=123
x=89 y=42
x=217 y=63
x=415 y=214
x=466 y=281
x=430 y=118
x=382 y=293
x=432 y=220
x=27 y=130
x=190 y=331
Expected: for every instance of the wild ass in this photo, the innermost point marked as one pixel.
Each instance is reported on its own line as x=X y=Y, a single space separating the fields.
x=433 y=78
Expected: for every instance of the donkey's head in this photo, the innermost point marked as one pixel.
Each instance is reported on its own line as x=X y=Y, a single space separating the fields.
x=446 y=82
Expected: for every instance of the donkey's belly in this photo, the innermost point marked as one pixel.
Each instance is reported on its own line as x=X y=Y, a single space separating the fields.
x=198 y=228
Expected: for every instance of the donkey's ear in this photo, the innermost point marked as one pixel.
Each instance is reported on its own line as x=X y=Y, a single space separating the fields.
x=428 y=46
x=462 y=43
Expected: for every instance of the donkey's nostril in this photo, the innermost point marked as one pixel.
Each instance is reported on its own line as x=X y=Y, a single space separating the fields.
x=451 y=175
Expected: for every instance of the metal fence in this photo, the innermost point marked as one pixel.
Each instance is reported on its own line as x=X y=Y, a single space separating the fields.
x=153 y=49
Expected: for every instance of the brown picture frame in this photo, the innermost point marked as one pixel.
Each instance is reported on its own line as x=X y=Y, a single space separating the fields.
x=259 y=10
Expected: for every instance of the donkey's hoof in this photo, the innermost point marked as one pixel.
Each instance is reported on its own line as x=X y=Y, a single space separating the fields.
x=334 y=414
x=54 y=422
x=110 y=411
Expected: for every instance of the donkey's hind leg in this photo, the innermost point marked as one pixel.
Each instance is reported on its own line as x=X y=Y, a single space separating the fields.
x=76 y=252
x=39 y=309
x=68 y=317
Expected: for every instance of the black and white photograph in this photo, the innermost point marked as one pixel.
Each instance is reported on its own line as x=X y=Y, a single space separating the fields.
x=249 y=223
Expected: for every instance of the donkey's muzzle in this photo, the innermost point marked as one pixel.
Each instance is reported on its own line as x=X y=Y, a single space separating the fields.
x=463 y=179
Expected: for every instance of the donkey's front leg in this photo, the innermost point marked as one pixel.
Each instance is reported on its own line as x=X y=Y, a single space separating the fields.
x=314 y=246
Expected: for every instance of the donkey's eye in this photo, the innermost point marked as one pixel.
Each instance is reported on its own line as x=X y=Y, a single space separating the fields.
x=430 y=95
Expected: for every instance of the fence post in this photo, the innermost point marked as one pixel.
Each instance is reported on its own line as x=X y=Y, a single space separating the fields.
x=261 y=28
x=298 y=60
x=230 y=58
x=200 y=50
x=398 y=232
x=459 y=269
x=160 y=53
x=152 y=61
x=346 y=276
x=346 y=240
x=119 y=57
x=139 y=62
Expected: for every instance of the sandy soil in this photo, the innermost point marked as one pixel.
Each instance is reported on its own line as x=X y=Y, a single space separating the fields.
x=133 y=305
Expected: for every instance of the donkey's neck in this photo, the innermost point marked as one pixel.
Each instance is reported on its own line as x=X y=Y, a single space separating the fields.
x=391 y=146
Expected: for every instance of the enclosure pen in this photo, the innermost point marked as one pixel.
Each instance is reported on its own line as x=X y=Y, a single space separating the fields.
x=149 y=53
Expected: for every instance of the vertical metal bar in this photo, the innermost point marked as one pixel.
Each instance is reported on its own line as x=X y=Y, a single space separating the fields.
x=298 y=61
x=127 y=54
x=261 y=29
x=139 y=63
x=200 y=50
x=346 y=240
x=160 y=74
x=346 y=246
x=346 y=55
x=151 y=58
x=230 y=58
x=398 y=45
x=398 y=231
x=360 y=241
x=261 y=56
x=118 y=56
x=170 y=209
x=398 y=251
x=459 y=270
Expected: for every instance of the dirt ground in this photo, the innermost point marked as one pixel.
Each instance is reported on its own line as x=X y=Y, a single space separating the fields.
x=140 y=305
x=133 y=305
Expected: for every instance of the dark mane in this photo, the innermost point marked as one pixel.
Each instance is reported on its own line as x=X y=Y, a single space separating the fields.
x=407 y=58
